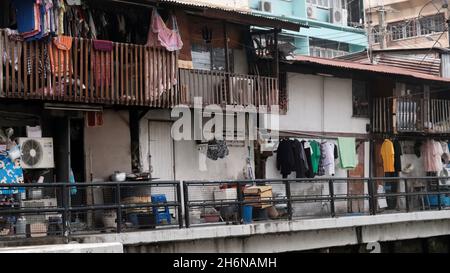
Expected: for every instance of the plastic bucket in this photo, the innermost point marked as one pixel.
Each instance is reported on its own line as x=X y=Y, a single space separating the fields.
x=247 y=215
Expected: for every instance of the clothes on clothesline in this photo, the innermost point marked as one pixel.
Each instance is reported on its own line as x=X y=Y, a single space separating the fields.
x=388 y=156
x=329 y=153
x=347 y=152
x=432 y=155
x=308 y=158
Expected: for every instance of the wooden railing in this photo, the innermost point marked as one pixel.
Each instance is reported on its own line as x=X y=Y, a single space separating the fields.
x=222 y=88
x=127 y=75
x=410 y=115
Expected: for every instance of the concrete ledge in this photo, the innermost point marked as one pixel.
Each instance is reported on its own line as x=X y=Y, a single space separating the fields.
x=68 y=248
x=215 y=232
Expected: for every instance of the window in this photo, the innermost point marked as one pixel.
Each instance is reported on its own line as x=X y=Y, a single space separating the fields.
x=410 y=29
x=432 y=24
x=413 y=28
x=205 y=58
x=327 y=48
x=320 y=3
x=376 y=34
x=396 y=30
x=360 y=99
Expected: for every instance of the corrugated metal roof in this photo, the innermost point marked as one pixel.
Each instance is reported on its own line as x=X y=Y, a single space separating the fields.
x=231 y=10
x=376 y=68
x=422 y=61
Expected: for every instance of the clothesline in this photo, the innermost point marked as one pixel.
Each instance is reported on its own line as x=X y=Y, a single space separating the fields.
x=284 y=134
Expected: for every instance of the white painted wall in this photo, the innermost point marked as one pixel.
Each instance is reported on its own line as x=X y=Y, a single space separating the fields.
x=318 y=103
x=108 y=146
x=187 y=154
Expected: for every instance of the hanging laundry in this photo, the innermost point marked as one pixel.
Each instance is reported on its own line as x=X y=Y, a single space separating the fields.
x=300 y=161
x=60 y=9
x=28 y=17
x=38 y=61
x=101 y=63
x=13 y=51
x=60 y=54
x=328 y=155
x=387 y=154
x=347 y=152
x=432 y=153
x=160 y=35
x=397 y=156
x=308 y=152
x=285 y=158
x=315 y=156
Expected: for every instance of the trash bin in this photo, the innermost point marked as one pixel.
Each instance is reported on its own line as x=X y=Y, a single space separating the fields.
x=247 y=215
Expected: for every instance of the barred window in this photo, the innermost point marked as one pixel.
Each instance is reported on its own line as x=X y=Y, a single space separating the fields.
x=432 y=24
x=396 y=30
x=413 y=28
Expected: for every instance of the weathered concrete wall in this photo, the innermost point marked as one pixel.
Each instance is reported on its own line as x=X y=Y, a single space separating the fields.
x=108 y=147
x=68 y=248
x=285 y=236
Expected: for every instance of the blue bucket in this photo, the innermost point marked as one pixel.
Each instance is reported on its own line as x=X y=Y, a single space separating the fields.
x=247 y=215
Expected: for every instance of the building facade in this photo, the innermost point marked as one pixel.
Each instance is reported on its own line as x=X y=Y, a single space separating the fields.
x=407 y=24
x=335 y=28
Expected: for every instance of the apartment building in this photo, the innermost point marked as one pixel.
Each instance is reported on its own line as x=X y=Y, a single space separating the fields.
x=398 y=24
x=336 y=27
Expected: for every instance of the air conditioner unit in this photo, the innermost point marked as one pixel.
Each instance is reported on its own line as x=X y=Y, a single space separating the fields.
x=37 y=153
x=336 y=16
x=265 y=6
x=310 y=12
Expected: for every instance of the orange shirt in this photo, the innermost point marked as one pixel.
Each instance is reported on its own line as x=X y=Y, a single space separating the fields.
x=387 y=153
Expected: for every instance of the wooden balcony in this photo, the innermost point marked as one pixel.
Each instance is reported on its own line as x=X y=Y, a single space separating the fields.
x=223 y=88
x=411 y=115
x=127 y=75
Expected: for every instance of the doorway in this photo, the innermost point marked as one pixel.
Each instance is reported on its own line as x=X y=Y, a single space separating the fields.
x=356 y=187
x=161 y=156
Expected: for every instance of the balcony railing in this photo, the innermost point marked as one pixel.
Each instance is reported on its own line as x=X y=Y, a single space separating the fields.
x=132 y=205
x=223 y=88
x=126 y=75
x=411 y=115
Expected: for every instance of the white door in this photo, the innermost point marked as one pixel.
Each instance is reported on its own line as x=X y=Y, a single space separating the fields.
x=161 y=156
x=161 y=150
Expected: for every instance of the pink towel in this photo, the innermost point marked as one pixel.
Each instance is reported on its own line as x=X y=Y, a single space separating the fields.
x=102 y=45
x=160 y=35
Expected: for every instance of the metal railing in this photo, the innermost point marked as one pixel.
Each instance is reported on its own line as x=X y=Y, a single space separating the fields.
x=128 y=206
x=410 y=115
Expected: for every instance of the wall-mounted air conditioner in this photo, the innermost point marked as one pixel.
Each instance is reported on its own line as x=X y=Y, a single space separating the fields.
x=336 y=16
x=310 y=12
x=37 y=153
x=265 y=6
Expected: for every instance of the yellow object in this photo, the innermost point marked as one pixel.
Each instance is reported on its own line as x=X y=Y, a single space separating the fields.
x=257 y=194
x=387 y=154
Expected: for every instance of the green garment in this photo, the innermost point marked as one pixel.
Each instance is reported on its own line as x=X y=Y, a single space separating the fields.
x=347 y=152
x=315 y=156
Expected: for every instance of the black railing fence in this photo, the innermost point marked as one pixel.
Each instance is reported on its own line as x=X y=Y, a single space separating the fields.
x=52 y=209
